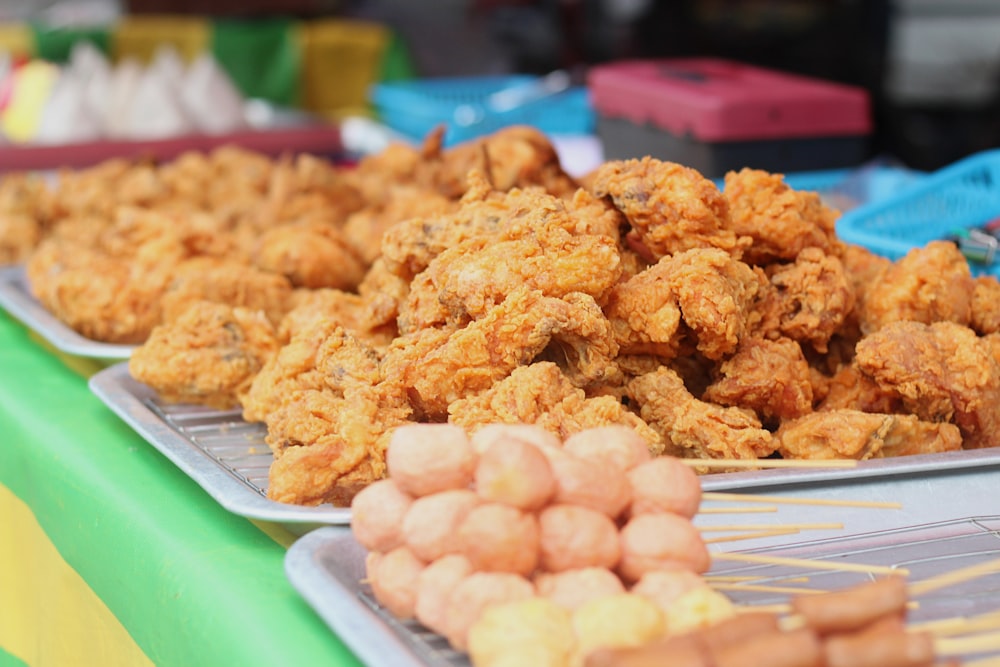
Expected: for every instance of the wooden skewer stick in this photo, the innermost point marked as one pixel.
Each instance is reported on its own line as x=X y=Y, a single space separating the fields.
x=806 y=563
x=714 y=495
x=770 y=463
x=959 y=625
x=763 y=588
x=987 y=641
x=763 y=608
x=954 y=577
x=983 y=662
x=751 y=536
x=772 y=526
x=733 y=579
x=763 y=509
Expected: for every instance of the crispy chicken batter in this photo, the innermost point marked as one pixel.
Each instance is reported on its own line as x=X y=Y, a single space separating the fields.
x=941 y=371
x=208 y=355
x=929 y=284
x=694 y=428
x=770 y=377
x=671 y=208
x=781 y=221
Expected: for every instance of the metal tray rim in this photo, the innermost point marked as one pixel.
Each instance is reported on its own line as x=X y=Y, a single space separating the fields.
x=124 y=396
x=16 y=298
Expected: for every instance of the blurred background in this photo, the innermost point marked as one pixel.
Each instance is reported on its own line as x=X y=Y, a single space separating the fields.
x=931 y=67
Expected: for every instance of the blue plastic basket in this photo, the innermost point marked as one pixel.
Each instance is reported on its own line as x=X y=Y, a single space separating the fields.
x=414 y=108
x=960 y=196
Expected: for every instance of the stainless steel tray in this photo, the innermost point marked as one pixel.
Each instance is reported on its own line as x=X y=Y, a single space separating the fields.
x=17 y=299
x=326 y=567
x=224 y=454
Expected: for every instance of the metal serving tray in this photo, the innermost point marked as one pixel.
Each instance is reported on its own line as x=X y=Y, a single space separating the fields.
x=326 y=567
x=224 y=454
x=228 y=457
x=17 y=299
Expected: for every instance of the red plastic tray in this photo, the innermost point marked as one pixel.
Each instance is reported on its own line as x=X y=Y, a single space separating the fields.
x=715 y=100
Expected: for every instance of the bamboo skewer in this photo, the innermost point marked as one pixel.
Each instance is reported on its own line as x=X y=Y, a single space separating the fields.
x=764 y=588
x=715 y=495
x=987 y=641
x=954 y=577
x=751 y=535
x=806 y=563
x=959 y=625
x=737 y=510
x=732 y=579
x=772 y=526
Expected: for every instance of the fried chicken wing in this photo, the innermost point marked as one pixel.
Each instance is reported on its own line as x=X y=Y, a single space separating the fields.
x=941 y=371
x=671 y=208
x=929 y=284
x=209 y=355
x=770 y=377
x=781 y=221
x=694 y=428
x=985 y=315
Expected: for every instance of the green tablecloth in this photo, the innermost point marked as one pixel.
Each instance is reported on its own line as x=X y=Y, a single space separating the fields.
x=188 y=582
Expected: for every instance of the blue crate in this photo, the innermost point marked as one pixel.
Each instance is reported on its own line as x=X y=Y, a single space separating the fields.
x=414 y=108
x=960 y=196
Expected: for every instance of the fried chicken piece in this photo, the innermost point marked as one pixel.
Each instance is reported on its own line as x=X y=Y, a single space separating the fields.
x=312 y=254
x=770 y=377
x=533 y=249
x=703 y=295
x=512 y=157
x=808 y=301
x=20 y=233
x=100 y=297
x=541 y=394
x=321 y=355
x=437 y=367
x=382 y=292
x=850 y=388
x=715 y=293
x=941 y=371
x=929 y=284
x=852 y=434
x=671 y=208
x=834 y=434
x=694 y=428
x=364 y=229
x=208 y=355
x=409 y=246
x=227 y=281
x=985 y=308
x=328 y=447
x=781 y=221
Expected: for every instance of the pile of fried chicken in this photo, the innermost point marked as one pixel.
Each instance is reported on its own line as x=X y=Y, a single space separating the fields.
x=481 y=284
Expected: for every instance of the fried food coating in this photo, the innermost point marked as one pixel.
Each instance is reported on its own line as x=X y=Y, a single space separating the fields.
x=781 y=221
x=699 y=298
x=985 y=315
x=929 y=284
x=809 y=300
x=208 y=355
x=941 y=371
x=847 y=433
x=770 y=377
x=694 y=428
x=439 y=366
x=311 y=254
x=670 y=207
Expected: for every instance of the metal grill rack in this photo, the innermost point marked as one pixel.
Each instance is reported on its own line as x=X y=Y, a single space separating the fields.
x=327 y=568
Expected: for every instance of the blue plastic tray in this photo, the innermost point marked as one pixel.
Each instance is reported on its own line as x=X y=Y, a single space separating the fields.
x=962 y=195
x=462 y=104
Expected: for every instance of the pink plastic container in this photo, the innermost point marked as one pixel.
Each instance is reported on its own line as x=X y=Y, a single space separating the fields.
x=718 y=115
